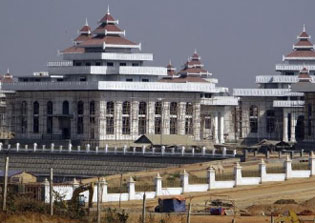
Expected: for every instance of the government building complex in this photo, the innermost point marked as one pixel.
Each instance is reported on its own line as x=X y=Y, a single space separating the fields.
x=104 y=91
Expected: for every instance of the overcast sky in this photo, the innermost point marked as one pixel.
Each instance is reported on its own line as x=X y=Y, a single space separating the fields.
x=237 y=39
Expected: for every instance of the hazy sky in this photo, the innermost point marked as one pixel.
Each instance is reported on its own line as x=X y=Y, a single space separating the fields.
x=237 y=39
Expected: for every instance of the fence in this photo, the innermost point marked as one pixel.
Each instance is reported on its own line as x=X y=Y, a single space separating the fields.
x=180 y=184
x=181 y=151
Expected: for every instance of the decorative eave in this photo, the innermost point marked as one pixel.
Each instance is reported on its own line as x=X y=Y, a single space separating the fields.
x=123 y=33
x=136 y=46
x=303 y=47
x=297 y=58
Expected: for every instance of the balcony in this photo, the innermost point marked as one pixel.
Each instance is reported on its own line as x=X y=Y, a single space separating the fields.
x=161 y=71
x=64 y=70
x=268 y=92
x=291 y=67
x=288 y=104
x=109 y=56
x=60 y=64
x=220 y=100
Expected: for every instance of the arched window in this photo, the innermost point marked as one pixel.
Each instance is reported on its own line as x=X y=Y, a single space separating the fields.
x=110 y=108
x=49 y=124
x=126 y=108
x=24 y=108
x=142 y=108
x=36 y=117
x=189 y=108
x=49 y=108
x=65 y=108
x=270 y=120
x=158 y=108
x=36 y=108
x=80 y=108
x=173 y=108
x=92 y=108
x=253 y=119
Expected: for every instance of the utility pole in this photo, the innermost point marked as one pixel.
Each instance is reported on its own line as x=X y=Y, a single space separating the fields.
x=98 y=201
x=5 y=189
x=143 y=208
x=51 y=202
x=188 y=214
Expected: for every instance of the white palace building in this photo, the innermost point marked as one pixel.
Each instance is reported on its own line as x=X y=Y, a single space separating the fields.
x=273 y=110
x=103 y=91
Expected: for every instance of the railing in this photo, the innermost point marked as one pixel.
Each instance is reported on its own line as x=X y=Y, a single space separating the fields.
x=262 y=92
x=143 y=70
x=60 y=64
x=220 y=100
x=83 y=70
x=289 y=67
x=287 y=104
x=109 y=56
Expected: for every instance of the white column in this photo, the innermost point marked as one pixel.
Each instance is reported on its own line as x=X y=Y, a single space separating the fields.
x=131 y=189
x=237 y=174
x=196 y=120
x=216 y=128
x=285 y=126
x=211 y=178
x=104 y=186
x=263 y=172
x=158 y=185
x=312 y=163
x=185 y=181
x=222 y=127
x=181 y=118
x=288 y=168
x=293 y=123
x=134 y=121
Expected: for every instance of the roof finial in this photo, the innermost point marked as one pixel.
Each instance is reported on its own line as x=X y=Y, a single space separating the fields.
x=86 y=22
x=8 y=71
x=170 y=62
x=108 y=9
x=304 y=28
x=195 y=51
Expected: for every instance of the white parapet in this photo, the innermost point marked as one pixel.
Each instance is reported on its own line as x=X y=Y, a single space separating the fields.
x=109 y=56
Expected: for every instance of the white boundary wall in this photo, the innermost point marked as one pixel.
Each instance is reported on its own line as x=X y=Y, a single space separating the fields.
x=239 y=180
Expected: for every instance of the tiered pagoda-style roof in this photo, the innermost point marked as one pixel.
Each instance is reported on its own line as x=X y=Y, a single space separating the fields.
x=6 y=78
x=194 y=67
x=107 y=34
x=193 y=71
x=85 y=34
x=171 y=71
x=303 y=49
x=304 y=76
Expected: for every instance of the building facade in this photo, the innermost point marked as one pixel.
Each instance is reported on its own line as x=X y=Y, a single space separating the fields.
x=103 y=91
x=274 y=110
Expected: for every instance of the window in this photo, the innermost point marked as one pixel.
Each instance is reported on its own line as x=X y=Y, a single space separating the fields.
x=253 y=119
x=88 y=64
x=157 y=125
x=189 y=108
x=110 y=108
x=142 y=108
x=110 y=64
x=158 y=108
x=98 y=64
x=129 y=80
x=173 y=126
x=49 y=121
x=36 y=108
x=142 y=125
x=135 y=64
x=23 y=124
x=270 y=119
x=207 y=123
x=65 y=108
x=126 y=108
x=126 y=126
x=123 y=64
x=145 y=80
x=35 y=117
x=80 y=125
x=189 y=126
x=109 y=125
x=173 y=108
x=82 y=79
x=92 y=108
x=77 y=64
x=80 y=108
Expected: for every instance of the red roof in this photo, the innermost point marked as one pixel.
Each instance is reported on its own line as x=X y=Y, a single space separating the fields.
x=303 y=43
x=82 y=38
x=85 y=29
x=302 y=53
x=74 y=49
x=184 y=80
x=107 y=18
x=108 y=27
x=115 y=40
x=194 y=63
x=304 y=35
